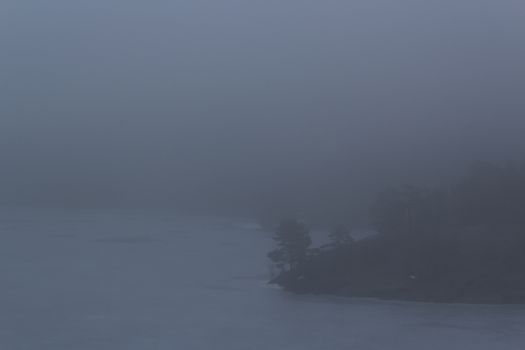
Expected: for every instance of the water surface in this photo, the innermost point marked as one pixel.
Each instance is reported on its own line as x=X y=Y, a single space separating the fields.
x=75 y=280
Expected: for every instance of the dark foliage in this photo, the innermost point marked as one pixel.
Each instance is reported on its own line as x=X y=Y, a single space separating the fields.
x=293 y=240
x=464 y=243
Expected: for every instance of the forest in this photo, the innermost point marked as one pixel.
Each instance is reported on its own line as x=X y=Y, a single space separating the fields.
x=460 y=243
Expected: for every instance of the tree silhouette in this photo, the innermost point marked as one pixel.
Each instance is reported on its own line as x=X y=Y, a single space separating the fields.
x=293 y=240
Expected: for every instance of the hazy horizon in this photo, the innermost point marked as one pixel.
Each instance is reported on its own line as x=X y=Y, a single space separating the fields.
x=230 y=103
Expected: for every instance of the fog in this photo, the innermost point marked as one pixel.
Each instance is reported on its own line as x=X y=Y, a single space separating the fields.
x=292 y=174
x=249 y=104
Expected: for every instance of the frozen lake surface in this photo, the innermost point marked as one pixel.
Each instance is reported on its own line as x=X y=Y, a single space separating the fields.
x=122 y=280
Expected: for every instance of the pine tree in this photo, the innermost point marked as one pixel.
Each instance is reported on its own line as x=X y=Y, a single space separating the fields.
x=293 y=240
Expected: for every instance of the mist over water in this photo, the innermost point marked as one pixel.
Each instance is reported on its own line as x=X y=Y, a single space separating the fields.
x=125 y=280
x=209 y=105
x=145 y=145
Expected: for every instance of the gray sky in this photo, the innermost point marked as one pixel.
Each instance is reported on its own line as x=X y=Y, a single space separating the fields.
x=228 y=100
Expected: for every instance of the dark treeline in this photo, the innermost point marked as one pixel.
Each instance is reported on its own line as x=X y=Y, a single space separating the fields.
x=461 y=243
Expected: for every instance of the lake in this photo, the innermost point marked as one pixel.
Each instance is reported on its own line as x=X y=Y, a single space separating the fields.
x=75 y=280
